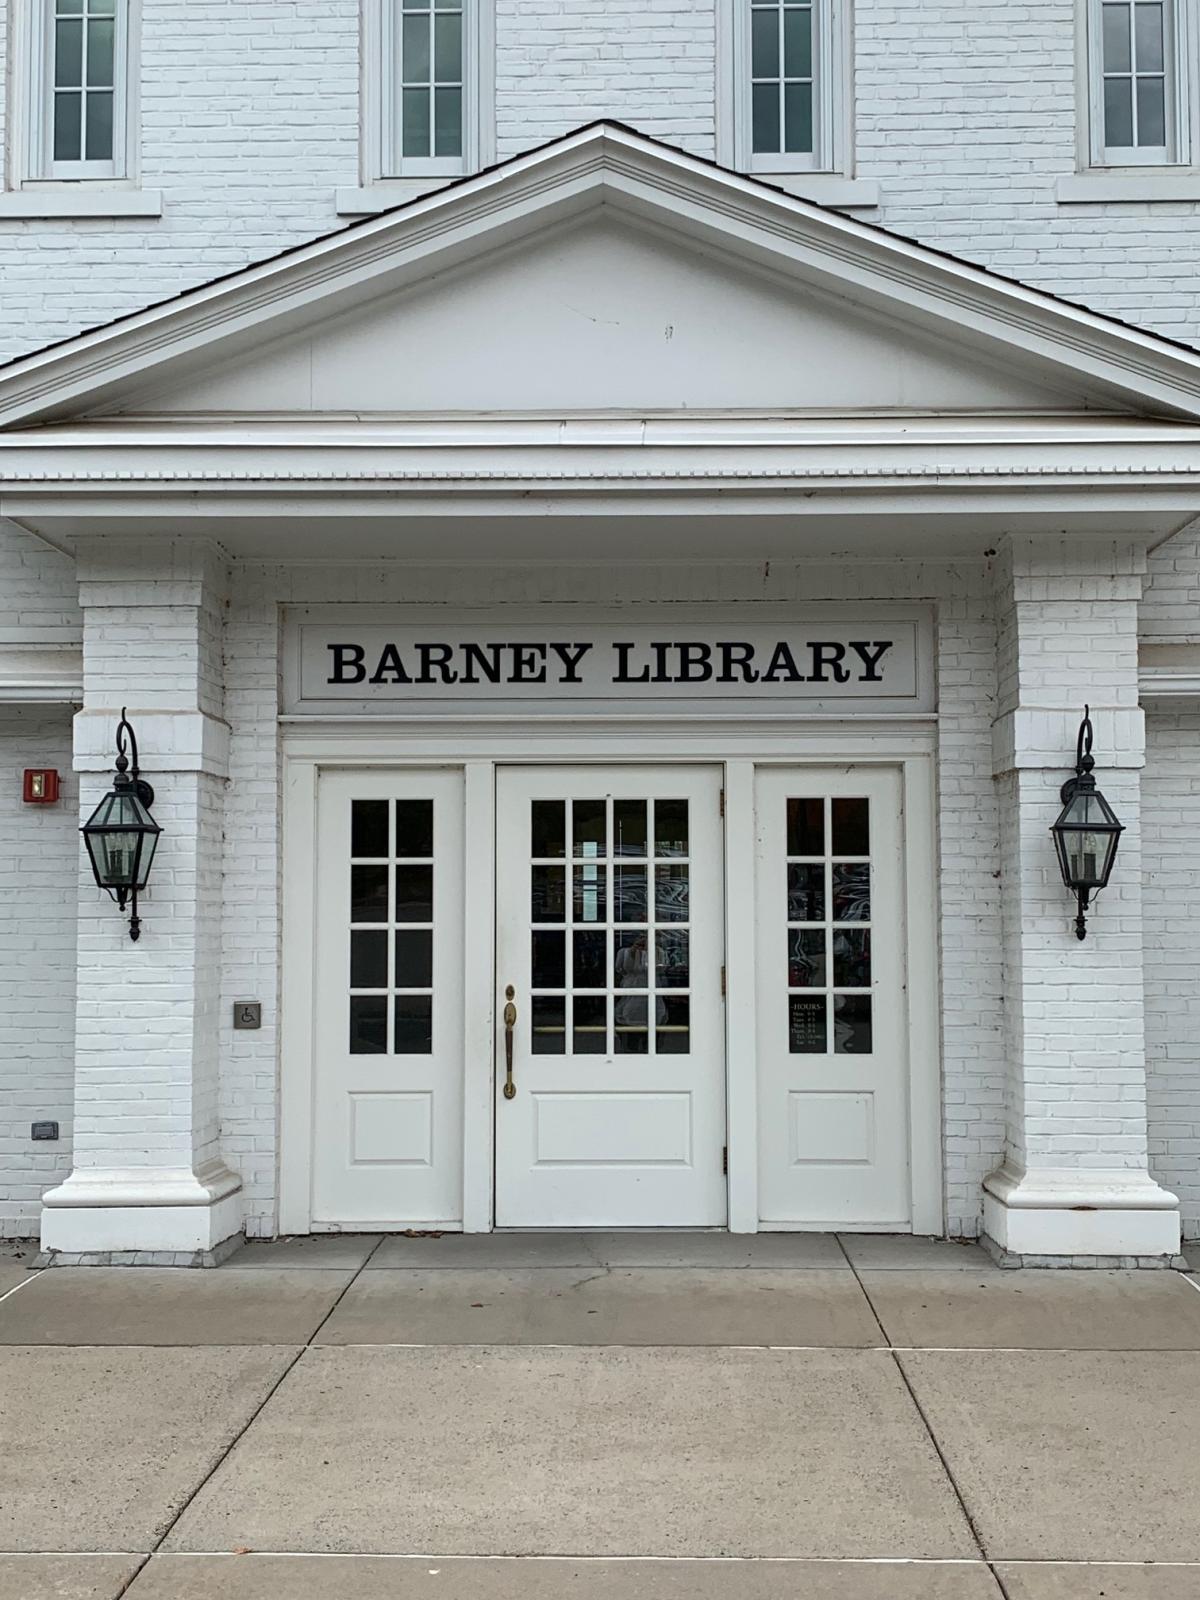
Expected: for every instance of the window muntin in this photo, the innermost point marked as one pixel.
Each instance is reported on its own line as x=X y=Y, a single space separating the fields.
x=428 y=66
x=787 y=63
x=1138 y=90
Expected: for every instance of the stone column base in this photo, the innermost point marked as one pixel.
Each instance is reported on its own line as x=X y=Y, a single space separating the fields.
x=1061 y=1216
x=123 y=1211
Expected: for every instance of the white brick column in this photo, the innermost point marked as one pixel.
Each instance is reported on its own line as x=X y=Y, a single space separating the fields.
x=148 y=1175
x=1075 y=1181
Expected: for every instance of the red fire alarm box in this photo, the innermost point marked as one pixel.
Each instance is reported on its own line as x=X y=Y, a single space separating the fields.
x=41 y=786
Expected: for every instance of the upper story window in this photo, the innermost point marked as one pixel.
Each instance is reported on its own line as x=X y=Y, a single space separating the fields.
x=79 y=92
x=1139 y=88
x=789 y=98
x=426 y=88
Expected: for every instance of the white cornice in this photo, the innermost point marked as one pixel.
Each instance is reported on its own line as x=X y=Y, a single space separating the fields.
x=611 y=165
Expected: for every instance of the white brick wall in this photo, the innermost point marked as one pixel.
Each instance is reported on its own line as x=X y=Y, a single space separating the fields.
x=1170 y=827
x=38 y=852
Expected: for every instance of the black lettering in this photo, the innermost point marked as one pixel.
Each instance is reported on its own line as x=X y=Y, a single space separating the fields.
x=623 y=674
x=695 y=665
x=782 y=666
x=390 y=668
x=740 y=656
x=871 y=654
x=436 y=656
x=489 y=666
x=662 y=673
x=525 y=658
x=828 y=655
x=570 y=655
x=347 y=655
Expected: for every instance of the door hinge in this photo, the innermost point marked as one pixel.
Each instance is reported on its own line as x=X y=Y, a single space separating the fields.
x=725 y=1159
x=721 y=803
x=722 y=983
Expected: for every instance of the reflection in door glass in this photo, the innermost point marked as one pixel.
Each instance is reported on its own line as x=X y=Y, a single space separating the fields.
x=625 y=990
x=826 y=959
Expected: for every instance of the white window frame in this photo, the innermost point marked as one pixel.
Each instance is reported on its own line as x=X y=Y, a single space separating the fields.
x=30 y=164
x=1181 y=42
x=382 y=160
x=832 y=95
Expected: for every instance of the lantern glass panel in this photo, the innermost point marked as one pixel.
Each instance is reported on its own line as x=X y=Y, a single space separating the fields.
x=121 y=837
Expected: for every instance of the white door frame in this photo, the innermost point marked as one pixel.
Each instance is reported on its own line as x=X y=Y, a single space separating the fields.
x=478 y=746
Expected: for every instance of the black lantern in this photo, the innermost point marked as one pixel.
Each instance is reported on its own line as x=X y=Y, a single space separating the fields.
x=1087 y=832
x=121 y=835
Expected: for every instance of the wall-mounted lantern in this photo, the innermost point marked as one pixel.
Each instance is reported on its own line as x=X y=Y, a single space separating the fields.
x=1086 y=834
x=121 y=835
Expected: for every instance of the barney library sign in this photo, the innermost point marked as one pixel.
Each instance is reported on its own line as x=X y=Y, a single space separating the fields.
x=340 y=658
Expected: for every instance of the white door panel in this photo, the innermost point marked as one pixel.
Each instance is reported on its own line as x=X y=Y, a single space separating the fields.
x=832 y=1018
x=609 y=919
x=387 y=1140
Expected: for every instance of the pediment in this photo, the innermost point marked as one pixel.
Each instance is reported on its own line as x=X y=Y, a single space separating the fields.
x=606 y=272
x=607 y=314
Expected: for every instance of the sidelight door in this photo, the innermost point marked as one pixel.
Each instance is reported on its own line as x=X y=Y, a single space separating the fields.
x=610 y=1108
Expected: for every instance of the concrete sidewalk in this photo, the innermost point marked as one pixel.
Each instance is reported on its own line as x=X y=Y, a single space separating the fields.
x=604 y=1416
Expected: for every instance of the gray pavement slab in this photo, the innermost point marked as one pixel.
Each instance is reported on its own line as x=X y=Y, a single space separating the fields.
x=15 y=1261
x=1070 y=1456
x=591 y=1305
x=584 y=1452
x=320 y=1250
x=102 y=1447
x=498 y=1251
x=169 y=1306
x=900 y=1252
x=259 y=1577
x=1191 y=1253
x=1096 y=1581
x=1032 y=1310
x=75 y=1577
x=798 y=1251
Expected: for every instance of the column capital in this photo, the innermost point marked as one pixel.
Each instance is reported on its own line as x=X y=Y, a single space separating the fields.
x=1043 y=738
x=168 y=741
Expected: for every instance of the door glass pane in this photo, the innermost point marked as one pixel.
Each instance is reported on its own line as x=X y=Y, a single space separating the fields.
x=414 y=893
x=631 y=1036
x=368 y=1024
x=549 y=959
x=672 y=1036
x=588 y=971
x=806 y=892
x=368 y=828
x=671 y=894
x=631 y=894
x=414 y=958
x=368 y=894
x=851 y=827
x=806 y=1024
x=852 y=893
x=671 y=958
x=852 y=958
x=589 y=825
x=548 y=899
x=806 y=827
x=368 y=958
x=670 y=827
x=414 y=827
x=591 y=1025
x=548 y=1013
x=549 y=836
x=631 y=965
x=806 y=958
x=852 y=1024
x=629 y=827
x=591 y=894
x=414 y=1025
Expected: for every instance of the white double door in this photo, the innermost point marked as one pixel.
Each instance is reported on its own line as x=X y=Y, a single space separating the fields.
x=609 y=893
x=609 y=933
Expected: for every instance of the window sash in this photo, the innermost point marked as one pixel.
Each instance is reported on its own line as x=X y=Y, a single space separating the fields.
x=412 y=92
x=74 y=71
x=821 y=80
x=1104 y=71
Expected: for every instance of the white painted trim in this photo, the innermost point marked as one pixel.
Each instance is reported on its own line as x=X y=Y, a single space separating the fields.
x=76 y=200
x=177 y=1228
x=297 y=1006
x=741 y=1010
x=1074 y=1211
x=479 y=983
x=607 y=164
x=1143 y=187
x=921 y=914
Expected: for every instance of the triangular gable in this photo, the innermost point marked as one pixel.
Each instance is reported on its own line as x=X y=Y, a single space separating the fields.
x=920 y=329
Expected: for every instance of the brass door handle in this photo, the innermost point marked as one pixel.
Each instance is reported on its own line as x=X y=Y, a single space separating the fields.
x=510 y=1022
